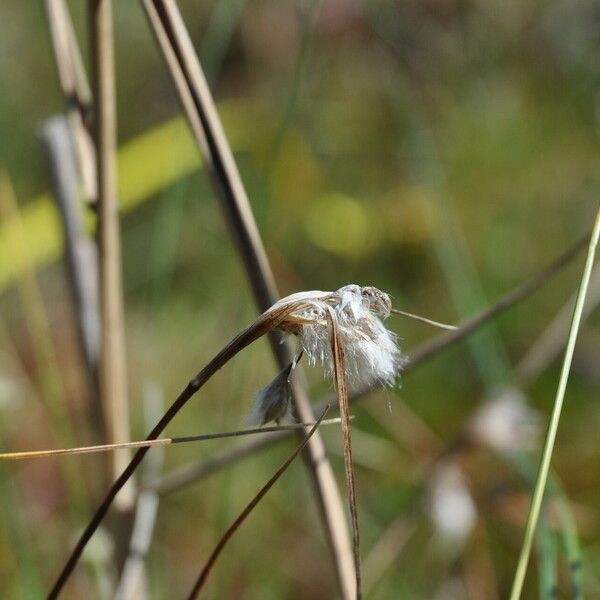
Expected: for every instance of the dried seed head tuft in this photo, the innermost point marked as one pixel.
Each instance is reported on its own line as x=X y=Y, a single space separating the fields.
x=273 y=402
x=371 y=352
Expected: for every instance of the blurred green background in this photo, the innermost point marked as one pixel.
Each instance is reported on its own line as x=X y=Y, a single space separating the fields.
x=440 y=150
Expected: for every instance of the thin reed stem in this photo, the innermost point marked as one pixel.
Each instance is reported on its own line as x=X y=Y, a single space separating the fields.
x=542 y=478
x=249 y=508
x=112 y=365
x=76 y=91
x=200 y=110
x=6 y=456
x=133 y=582
x=403 y=313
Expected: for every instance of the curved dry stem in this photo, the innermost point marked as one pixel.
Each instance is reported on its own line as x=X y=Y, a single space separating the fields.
x=249 y=508
x=268 y=321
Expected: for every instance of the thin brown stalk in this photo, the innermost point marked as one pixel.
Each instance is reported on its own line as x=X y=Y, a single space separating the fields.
x=249 y=508
x=29 y=454
x=403 y=313
x=112 y=365
x=428 y=350
x=265 y=323
x=339 y=370
x=435 y=346
x=185 y=475
x=552 y=340
x=200 y=110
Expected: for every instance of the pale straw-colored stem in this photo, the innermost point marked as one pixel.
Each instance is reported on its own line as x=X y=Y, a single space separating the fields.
x=538 y=493
x=112 y=365
x=76 y=91
x=158 y=442
x=133 y=583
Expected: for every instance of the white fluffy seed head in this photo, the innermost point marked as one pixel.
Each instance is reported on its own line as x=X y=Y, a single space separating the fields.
x=371 y=351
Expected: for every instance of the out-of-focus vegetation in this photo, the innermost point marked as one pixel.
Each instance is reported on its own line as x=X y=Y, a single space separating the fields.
x=442 y=151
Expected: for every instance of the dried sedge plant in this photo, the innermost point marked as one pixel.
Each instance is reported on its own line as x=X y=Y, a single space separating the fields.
x=371 y=357
x=341 y=330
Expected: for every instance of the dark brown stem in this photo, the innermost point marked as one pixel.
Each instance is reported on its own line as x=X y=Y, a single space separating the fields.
x=249 y=508
x=430 y=349
x=262 y=325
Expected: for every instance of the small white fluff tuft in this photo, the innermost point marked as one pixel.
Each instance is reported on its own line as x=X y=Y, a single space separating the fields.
x=506 y=423
x=451 y=505
x=273 y=402
x=371 y=351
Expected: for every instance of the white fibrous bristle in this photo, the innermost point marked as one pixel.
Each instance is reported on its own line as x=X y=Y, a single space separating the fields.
x=273 y=402
x=371 y=351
